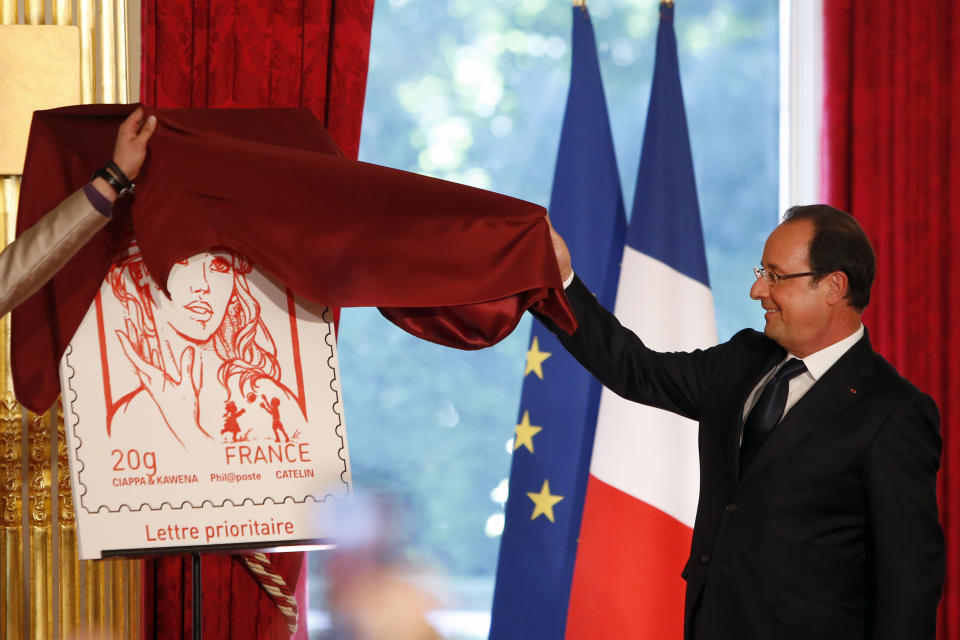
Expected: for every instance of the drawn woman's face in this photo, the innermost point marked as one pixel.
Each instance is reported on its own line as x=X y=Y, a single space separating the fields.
x=200 y=288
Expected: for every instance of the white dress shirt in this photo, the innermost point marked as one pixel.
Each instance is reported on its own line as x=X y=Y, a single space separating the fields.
x=817 y=364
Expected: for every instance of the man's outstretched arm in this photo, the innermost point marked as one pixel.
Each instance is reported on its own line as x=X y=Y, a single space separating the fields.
x=618 y=358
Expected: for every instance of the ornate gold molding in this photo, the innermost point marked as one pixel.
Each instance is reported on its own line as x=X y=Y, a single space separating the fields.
x=11 y=524
x=41 y=551
x=45 y=590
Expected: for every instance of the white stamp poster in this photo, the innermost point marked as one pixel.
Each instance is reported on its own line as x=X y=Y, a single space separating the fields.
x=209 y=418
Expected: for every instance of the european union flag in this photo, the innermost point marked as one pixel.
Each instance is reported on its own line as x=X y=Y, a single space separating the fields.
x=558 y=407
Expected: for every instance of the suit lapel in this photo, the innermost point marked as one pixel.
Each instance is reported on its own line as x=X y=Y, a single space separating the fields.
x=832 y=394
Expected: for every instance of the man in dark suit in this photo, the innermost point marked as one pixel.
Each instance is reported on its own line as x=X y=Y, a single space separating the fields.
x=818 y=462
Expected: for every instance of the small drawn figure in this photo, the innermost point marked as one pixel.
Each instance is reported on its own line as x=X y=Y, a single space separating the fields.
x=274 y=410
x=230 y=424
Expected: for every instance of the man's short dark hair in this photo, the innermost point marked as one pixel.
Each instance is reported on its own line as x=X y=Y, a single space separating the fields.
x=839 y=244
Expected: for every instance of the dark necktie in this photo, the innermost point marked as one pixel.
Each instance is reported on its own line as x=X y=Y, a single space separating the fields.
x=768 y=410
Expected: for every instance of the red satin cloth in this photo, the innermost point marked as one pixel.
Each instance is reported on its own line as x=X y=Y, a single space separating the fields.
x=249 y=53
x=891 y=156
x=448 y=263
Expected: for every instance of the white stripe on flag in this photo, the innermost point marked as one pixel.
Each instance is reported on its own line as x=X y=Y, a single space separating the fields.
x=649 y=453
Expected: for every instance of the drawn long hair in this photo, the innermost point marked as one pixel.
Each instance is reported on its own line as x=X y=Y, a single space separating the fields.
x=242 y=340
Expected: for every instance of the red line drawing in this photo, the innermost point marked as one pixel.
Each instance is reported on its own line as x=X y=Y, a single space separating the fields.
x=295 y=336
x=103 y=360
x=196 y=352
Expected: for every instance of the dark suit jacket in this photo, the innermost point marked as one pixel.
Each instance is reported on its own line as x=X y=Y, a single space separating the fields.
x=832 y=531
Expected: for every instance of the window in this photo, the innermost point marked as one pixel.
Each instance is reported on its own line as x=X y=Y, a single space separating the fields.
x=474 y=92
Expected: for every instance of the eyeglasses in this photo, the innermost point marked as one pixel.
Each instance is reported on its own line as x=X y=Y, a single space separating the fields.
x=773 y=279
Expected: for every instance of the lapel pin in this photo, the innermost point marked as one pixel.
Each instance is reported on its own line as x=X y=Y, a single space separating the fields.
x=853 y=391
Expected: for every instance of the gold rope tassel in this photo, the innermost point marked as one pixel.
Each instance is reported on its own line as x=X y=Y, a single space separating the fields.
x=275 y=586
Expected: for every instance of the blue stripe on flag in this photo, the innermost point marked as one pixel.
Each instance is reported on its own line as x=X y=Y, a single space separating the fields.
x=537 y=556
x=665 y=220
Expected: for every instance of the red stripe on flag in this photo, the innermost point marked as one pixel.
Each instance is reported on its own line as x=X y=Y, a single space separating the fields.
x=626 y=581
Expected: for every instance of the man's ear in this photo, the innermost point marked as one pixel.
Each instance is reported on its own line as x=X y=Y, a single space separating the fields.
x=837 y=285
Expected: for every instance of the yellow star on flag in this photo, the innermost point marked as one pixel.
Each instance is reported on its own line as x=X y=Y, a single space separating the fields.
x=535 y=359
x=543 y=502
x=525 y=432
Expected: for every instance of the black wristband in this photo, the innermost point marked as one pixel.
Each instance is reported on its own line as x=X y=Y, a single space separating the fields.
x=119 y=183
x=120 y=175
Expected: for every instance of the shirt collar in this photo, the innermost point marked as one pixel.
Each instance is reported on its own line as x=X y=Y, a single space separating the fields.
x=817 y=363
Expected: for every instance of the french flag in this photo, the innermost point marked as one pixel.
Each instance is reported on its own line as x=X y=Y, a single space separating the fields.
x=642 y=490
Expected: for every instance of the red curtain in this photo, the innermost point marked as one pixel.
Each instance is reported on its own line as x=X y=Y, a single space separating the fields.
x=271 y=53
x=891 y=157
x=248 y=53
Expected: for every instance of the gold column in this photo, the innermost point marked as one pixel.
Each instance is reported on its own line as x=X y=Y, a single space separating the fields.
x=96 y=588
x=88 y=76
x=15 y=596
x=11 y=530
x=70 y=604
x=45 y=590
x=8 y=12
x=123 y=83
x=116 y=595
x=134 y=588
x=108 y=48
x=41 y=551
x=12 y=597
x=63 y=12
x=33 y=11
